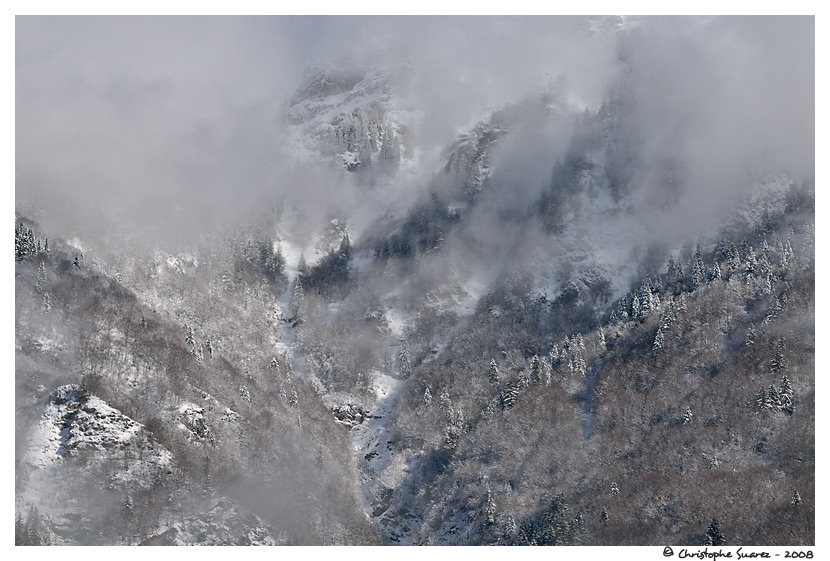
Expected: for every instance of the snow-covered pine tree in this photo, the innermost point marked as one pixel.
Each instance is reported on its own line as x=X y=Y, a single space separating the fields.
x=190 y=339
x=645 y=300
x=489 y=509
x=404 y=360
x=427 y=397
x=714 y=535
x=579 y=366
x=297 y=306
x=658 y=342
x=622 y=309
x=734 y=260
x=509 y=395
x=535 y=370
x=41 y=275
x=547 y=371
x=697 y=268
x=493 y=372
x=509 y=528
x=778 y=361
x=555 y=355
x=750 y=266
x=679 y=280
x=716 y=272
x=636 y=310
x=773 y=399
x=785 y=394
x=24 y=242
x=762 y=399
x=687 y=416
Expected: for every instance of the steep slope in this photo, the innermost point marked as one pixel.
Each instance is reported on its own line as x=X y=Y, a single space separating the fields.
x=348 y=115
x=257 y=442
x=663 y=403
x=92 y=472
x=551 y=338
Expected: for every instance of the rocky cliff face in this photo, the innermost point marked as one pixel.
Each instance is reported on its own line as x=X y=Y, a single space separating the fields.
x=351 y=118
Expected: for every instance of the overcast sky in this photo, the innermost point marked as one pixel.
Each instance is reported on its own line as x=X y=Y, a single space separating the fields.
x=132 y=122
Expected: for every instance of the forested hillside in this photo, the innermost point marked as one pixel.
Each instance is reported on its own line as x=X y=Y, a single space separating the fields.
x=582 y=315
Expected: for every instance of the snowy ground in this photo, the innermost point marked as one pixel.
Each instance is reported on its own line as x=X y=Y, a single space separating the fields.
x=381 y=469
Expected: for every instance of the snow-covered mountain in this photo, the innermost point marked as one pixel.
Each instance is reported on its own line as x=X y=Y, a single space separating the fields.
x=549 y=327
x=351 y=117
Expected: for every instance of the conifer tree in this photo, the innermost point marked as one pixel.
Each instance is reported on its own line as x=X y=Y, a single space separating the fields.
x=427 y=397
x=509 y=395
x=298 y=303
x=773 y=399
x=490 y=509
x=714 y=535
x=687 y=416
x=762 y=399
x=547 y=371
x=444 y=399
x=493 y=372
x=404 y=360
x=678 y=280
x=510 y=528
x=658 y=342
x=716 y=273
x=535 y=369
x=796 y=498
x=635 y=308
x=622 y=309
x=24 y=242
x=785 y=394
x=778 y=361
x=578 y=363
x=190 y=339
x=555 y=355
x=697 y=269
x=41 y=275
x=750 y=267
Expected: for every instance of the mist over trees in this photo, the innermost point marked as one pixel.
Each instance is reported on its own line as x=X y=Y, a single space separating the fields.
x=552 y=285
